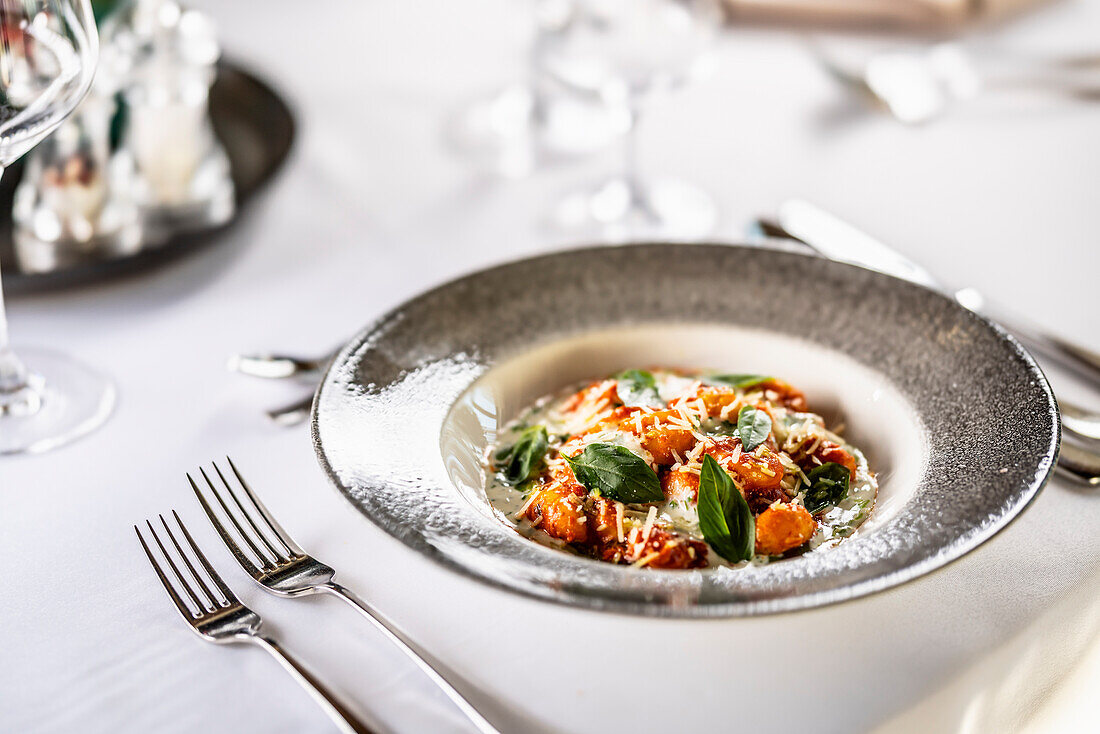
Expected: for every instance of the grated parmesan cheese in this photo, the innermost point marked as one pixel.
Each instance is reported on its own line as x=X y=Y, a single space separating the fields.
x=592 y=417
x=530 y=501
x=650 y=517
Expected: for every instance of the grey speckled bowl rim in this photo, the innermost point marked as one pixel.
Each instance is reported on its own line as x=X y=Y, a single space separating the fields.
x=1041 y=462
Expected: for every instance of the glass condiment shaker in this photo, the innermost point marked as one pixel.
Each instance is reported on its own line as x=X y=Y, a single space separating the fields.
x=166 y=56
x=74 y=201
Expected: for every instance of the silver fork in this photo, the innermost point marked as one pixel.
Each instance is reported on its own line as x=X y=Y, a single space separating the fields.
x=283 y=568
x=221 y=618
x=282 y=366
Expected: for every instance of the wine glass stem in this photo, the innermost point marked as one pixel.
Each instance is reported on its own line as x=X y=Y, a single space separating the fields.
x=534 y=77
x=13 y=375
x=630 y=147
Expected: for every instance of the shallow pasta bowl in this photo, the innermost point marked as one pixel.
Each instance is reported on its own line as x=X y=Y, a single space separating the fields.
x=953 y=414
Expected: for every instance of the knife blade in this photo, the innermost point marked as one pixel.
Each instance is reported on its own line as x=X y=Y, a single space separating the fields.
x=838 y=240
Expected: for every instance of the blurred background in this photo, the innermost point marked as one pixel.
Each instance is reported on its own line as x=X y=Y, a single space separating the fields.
x=938 y=126
x=257 y=177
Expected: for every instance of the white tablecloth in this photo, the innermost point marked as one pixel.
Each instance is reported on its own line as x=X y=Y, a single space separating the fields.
x=372 y=209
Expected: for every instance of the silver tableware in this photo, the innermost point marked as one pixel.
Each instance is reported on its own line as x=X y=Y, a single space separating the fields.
x=218 y=616
x=293 y=413
x=257 y=129
x=916 y=85
x=281 y=367
x=1080 y=464
x=1083 y=422
x=836 y=239
x=283 y=568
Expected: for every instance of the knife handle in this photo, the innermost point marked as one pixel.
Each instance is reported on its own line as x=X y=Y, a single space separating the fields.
x=1075 y=358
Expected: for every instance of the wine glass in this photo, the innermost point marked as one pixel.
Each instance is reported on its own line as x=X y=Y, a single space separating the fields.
x=48 y=51
x=625 y=51
x=533 y=120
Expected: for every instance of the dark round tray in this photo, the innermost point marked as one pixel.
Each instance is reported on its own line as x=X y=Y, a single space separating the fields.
x=256 y=128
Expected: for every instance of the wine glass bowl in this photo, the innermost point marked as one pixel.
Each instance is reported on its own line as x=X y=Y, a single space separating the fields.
x=534 y=120
x=623 y=51
x=48 y=52
x=47 y=61
x=611 y=47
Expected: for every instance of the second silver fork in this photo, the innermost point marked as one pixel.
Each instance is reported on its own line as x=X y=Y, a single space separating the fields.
x=215 y=615
x=279 y=565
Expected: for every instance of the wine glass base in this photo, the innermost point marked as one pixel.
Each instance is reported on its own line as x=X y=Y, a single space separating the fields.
x=518 y=128
x=63 y=400
x=619 y=210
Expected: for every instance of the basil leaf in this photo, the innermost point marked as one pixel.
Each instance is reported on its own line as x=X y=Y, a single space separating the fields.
x=736 y=381
x=828 y=486
x=753 y=427
x=724 y=517
x=517 y=462
x=638 y=389
x=616 y=473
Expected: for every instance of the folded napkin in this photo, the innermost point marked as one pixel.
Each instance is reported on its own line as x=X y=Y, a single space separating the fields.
x=879 y=14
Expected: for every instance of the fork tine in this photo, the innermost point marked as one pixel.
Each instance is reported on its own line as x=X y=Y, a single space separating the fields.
x=203 y=608
x=272 y=523
x=246 y=562
x=226 y=592
x=187 y=562
x=279 y=556
x=265 y=563
x=172 y=594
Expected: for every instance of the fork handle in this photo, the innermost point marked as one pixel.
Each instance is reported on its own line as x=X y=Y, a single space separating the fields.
x=398 y=638
x=1079 y=464
x=347 y=720
x=1078 y=359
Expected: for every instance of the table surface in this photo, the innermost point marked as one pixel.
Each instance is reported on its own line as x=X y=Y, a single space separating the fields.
x=373 y=208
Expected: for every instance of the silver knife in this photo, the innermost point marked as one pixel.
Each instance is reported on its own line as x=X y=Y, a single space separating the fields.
x=837 y=240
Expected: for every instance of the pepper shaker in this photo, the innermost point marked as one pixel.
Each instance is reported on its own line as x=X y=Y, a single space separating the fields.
x=166 y=56
x=74 y=200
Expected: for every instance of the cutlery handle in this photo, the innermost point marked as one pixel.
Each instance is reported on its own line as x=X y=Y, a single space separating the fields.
x=273 y=366
x=398 y=638
x=1078 y=359
x=281 y=366
x=1080 y=465
x=1080 y=421
x=293 y=414
x=348 y=721
x=836 y=239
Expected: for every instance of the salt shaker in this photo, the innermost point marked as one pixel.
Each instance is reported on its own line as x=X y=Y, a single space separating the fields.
x=166 y=56
x=74 y=200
